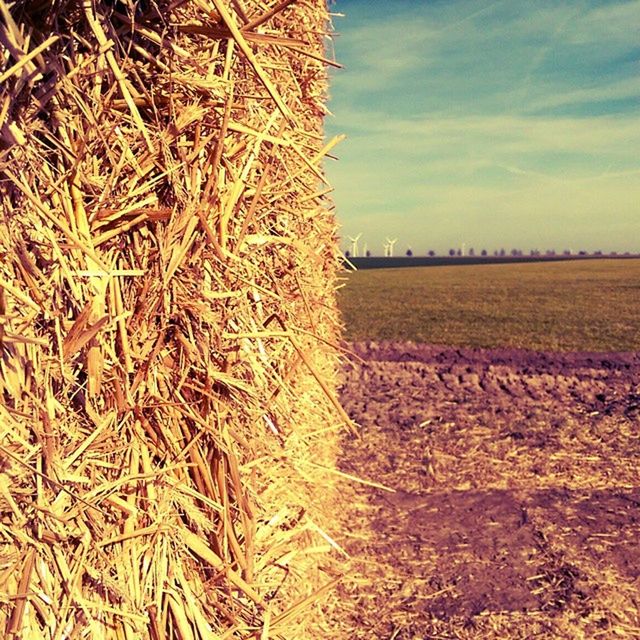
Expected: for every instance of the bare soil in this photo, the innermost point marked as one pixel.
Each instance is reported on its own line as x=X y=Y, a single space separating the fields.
x=515 y=510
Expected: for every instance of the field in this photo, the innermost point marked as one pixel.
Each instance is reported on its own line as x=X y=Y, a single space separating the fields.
x=590 y=305
x=511 y=506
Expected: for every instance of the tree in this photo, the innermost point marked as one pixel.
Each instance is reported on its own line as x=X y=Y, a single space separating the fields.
x=431 y=253
x=472 y=252
x=483 y=253
x=409 y=253
x=347 y=254
x=368 y=254
x=459 y=252
x=452 y=252
x=503 y=253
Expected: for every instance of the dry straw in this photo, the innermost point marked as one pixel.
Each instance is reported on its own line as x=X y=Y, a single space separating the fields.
x=166 y=320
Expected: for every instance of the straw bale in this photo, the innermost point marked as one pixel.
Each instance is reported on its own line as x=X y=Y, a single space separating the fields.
x=167 y=320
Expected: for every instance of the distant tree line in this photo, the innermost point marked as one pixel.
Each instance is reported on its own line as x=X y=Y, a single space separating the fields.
x=502 y=253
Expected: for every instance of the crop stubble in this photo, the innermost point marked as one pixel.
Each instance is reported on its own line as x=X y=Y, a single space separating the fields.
x=517 y=493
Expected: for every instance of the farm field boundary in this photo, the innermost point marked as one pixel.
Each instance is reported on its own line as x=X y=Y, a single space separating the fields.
x=398 y=262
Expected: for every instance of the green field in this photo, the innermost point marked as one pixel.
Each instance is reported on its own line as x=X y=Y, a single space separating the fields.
x=591 y=305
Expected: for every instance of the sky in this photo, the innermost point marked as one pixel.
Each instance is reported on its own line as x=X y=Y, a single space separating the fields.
x=497 y=124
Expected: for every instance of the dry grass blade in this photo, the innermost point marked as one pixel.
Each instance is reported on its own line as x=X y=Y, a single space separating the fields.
x=265 y=17
x=24 y=60
x=236 y=33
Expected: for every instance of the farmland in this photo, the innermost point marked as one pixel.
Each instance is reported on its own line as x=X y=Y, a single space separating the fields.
x=509 y=453
x=590 y=305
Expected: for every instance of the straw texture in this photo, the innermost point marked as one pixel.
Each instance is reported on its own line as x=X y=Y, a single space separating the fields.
x=168 y=261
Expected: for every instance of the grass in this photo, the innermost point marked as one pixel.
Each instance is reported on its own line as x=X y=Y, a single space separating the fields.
x=591 y=305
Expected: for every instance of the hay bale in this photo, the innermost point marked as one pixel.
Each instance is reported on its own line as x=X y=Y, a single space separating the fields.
x=166 y=319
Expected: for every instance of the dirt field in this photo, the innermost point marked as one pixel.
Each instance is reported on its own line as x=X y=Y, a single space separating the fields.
x=516 y=511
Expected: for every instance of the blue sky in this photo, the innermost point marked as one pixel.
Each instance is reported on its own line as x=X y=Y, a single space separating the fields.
x=511 y=123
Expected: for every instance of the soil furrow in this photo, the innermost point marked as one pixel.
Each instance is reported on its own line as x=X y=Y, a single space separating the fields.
x=516 y=511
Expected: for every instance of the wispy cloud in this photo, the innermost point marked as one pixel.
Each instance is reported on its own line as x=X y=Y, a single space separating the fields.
x=509 y=120
x=382 y=55
x=606 y=92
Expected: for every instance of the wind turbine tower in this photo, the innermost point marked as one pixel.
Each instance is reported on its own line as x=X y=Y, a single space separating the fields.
x=390 y=245
x=354 y=245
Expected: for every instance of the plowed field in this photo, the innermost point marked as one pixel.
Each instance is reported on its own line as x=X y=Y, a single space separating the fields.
x=515 y=510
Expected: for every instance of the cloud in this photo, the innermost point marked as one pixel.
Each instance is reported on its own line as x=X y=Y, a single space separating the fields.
x=617 y=23
x=381 y=55
x=604 y=92
x=602 y=139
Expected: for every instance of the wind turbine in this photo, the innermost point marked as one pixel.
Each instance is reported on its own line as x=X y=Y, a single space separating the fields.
x=391 y=243
x=386 y=249
x=354 y=245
